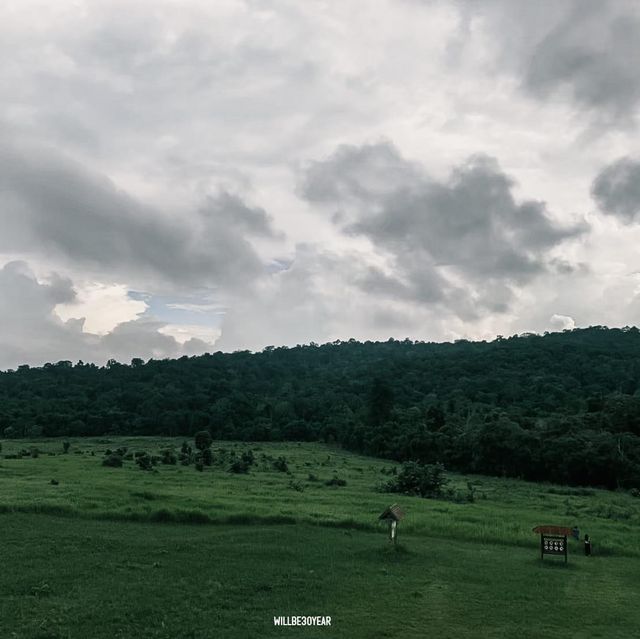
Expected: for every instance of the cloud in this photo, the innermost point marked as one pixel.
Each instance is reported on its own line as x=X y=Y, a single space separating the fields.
x=575 y=51
x=616 y=190
x=53 y=206
x=32 y=333
x=147 y=151
x=588 y=53
x=561 y=322
x=466 y=233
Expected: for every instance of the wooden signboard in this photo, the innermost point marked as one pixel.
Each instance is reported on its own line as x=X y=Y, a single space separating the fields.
x=553 y=540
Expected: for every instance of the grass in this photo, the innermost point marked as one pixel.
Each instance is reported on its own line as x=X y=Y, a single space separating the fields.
x=120 y=552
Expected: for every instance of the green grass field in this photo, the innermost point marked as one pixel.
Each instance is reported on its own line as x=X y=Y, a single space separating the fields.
x=121 y=552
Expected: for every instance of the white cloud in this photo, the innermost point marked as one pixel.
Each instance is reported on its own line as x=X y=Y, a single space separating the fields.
x=102 y=306
x=561 y=322
x=156 y=146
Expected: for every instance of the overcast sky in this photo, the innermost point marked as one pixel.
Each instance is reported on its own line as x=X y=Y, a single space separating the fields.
x=186 y=176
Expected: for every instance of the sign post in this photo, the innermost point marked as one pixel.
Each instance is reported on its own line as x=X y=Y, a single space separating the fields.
x=393 y=515
x=553 y=540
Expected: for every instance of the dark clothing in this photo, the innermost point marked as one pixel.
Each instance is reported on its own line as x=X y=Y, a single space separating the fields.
x=587 y=548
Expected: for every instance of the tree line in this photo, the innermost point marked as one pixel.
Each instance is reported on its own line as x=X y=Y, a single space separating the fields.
x=562 y=407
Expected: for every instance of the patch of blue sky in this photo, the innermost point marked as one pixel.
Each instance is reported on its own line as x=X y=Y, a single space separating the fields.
x=194 y=309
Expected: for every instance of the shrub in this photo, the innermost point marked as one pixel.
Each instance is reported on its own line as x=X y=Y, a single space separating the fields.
x=35 y=453
x=169 y=458
x=144 y=461
x=207 y=457
x=65 y=446
x=281 y=464
x=203 y=439
x=239 y=466
x=296 y=484
x=424 y=480
x=114 y=461
x=312 y=477
x=54 y=482
x=336 y=481
x=185 y=449
x=635 y=492
x=199 y=466
x=248 y=457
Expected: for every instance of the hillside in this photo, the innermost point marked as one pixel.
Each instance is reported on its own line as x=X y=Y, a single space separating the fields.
x=171 y=552
x=562 y=407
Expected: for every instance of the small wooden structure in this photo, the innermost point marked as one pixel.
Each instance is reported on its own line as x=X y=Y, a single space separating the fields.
x=553 y=540
x=393 y=514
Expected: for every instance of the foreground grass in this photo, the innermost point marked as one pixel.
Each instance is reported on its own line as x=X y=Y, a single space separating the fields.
x=105 y=552
x=66 y=578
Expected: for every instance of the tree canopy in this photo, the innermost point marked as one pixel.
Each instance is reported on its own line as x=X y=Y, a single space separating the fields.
x=562 y=407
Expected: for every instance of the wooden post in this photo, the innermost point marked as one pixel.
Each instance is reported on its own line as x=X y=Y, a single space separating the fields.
x=393 y=531
x=393 y=514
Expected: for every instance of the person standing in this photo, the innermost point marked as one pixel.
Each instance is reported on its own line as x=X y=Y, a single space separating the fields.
x=587 y=546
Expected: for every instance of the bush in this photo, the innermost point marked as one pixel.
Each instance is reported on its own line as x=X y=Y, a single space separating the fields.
x=169 y=458
x=199 y=466
x=66 y=446
x=281 y=464
x=203 y=439
x=207 y=457
x=248 y=457
x=35 y=453
x=424 y=480
x=312 y=477
x=144 y=461
x=239 y=466
x=114 y=461
x=296 y=484
x=336 y=481
x=54 y=482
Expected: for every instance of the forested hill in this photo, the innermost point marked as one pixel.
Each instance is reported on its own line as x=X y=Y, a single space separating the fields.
x=563 y=406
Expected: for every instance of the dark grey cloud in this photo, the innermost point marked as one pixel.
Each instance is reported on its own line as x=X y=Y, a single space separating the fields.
x=52 y=206
x=467 y=231
x=592 y=53
x=582 y=51
x=616 y=190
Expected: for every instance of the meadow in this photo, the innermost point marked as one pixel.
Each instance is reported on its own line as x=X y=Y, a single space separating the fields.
x=94 y=551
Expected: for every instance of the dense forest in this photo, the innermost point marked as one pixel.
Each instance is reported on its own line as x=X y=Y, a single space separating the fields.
x=563 y=407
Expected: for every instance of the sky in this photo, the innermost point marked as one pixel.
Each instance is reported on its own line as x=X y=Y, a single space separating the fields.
x=187 y=176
